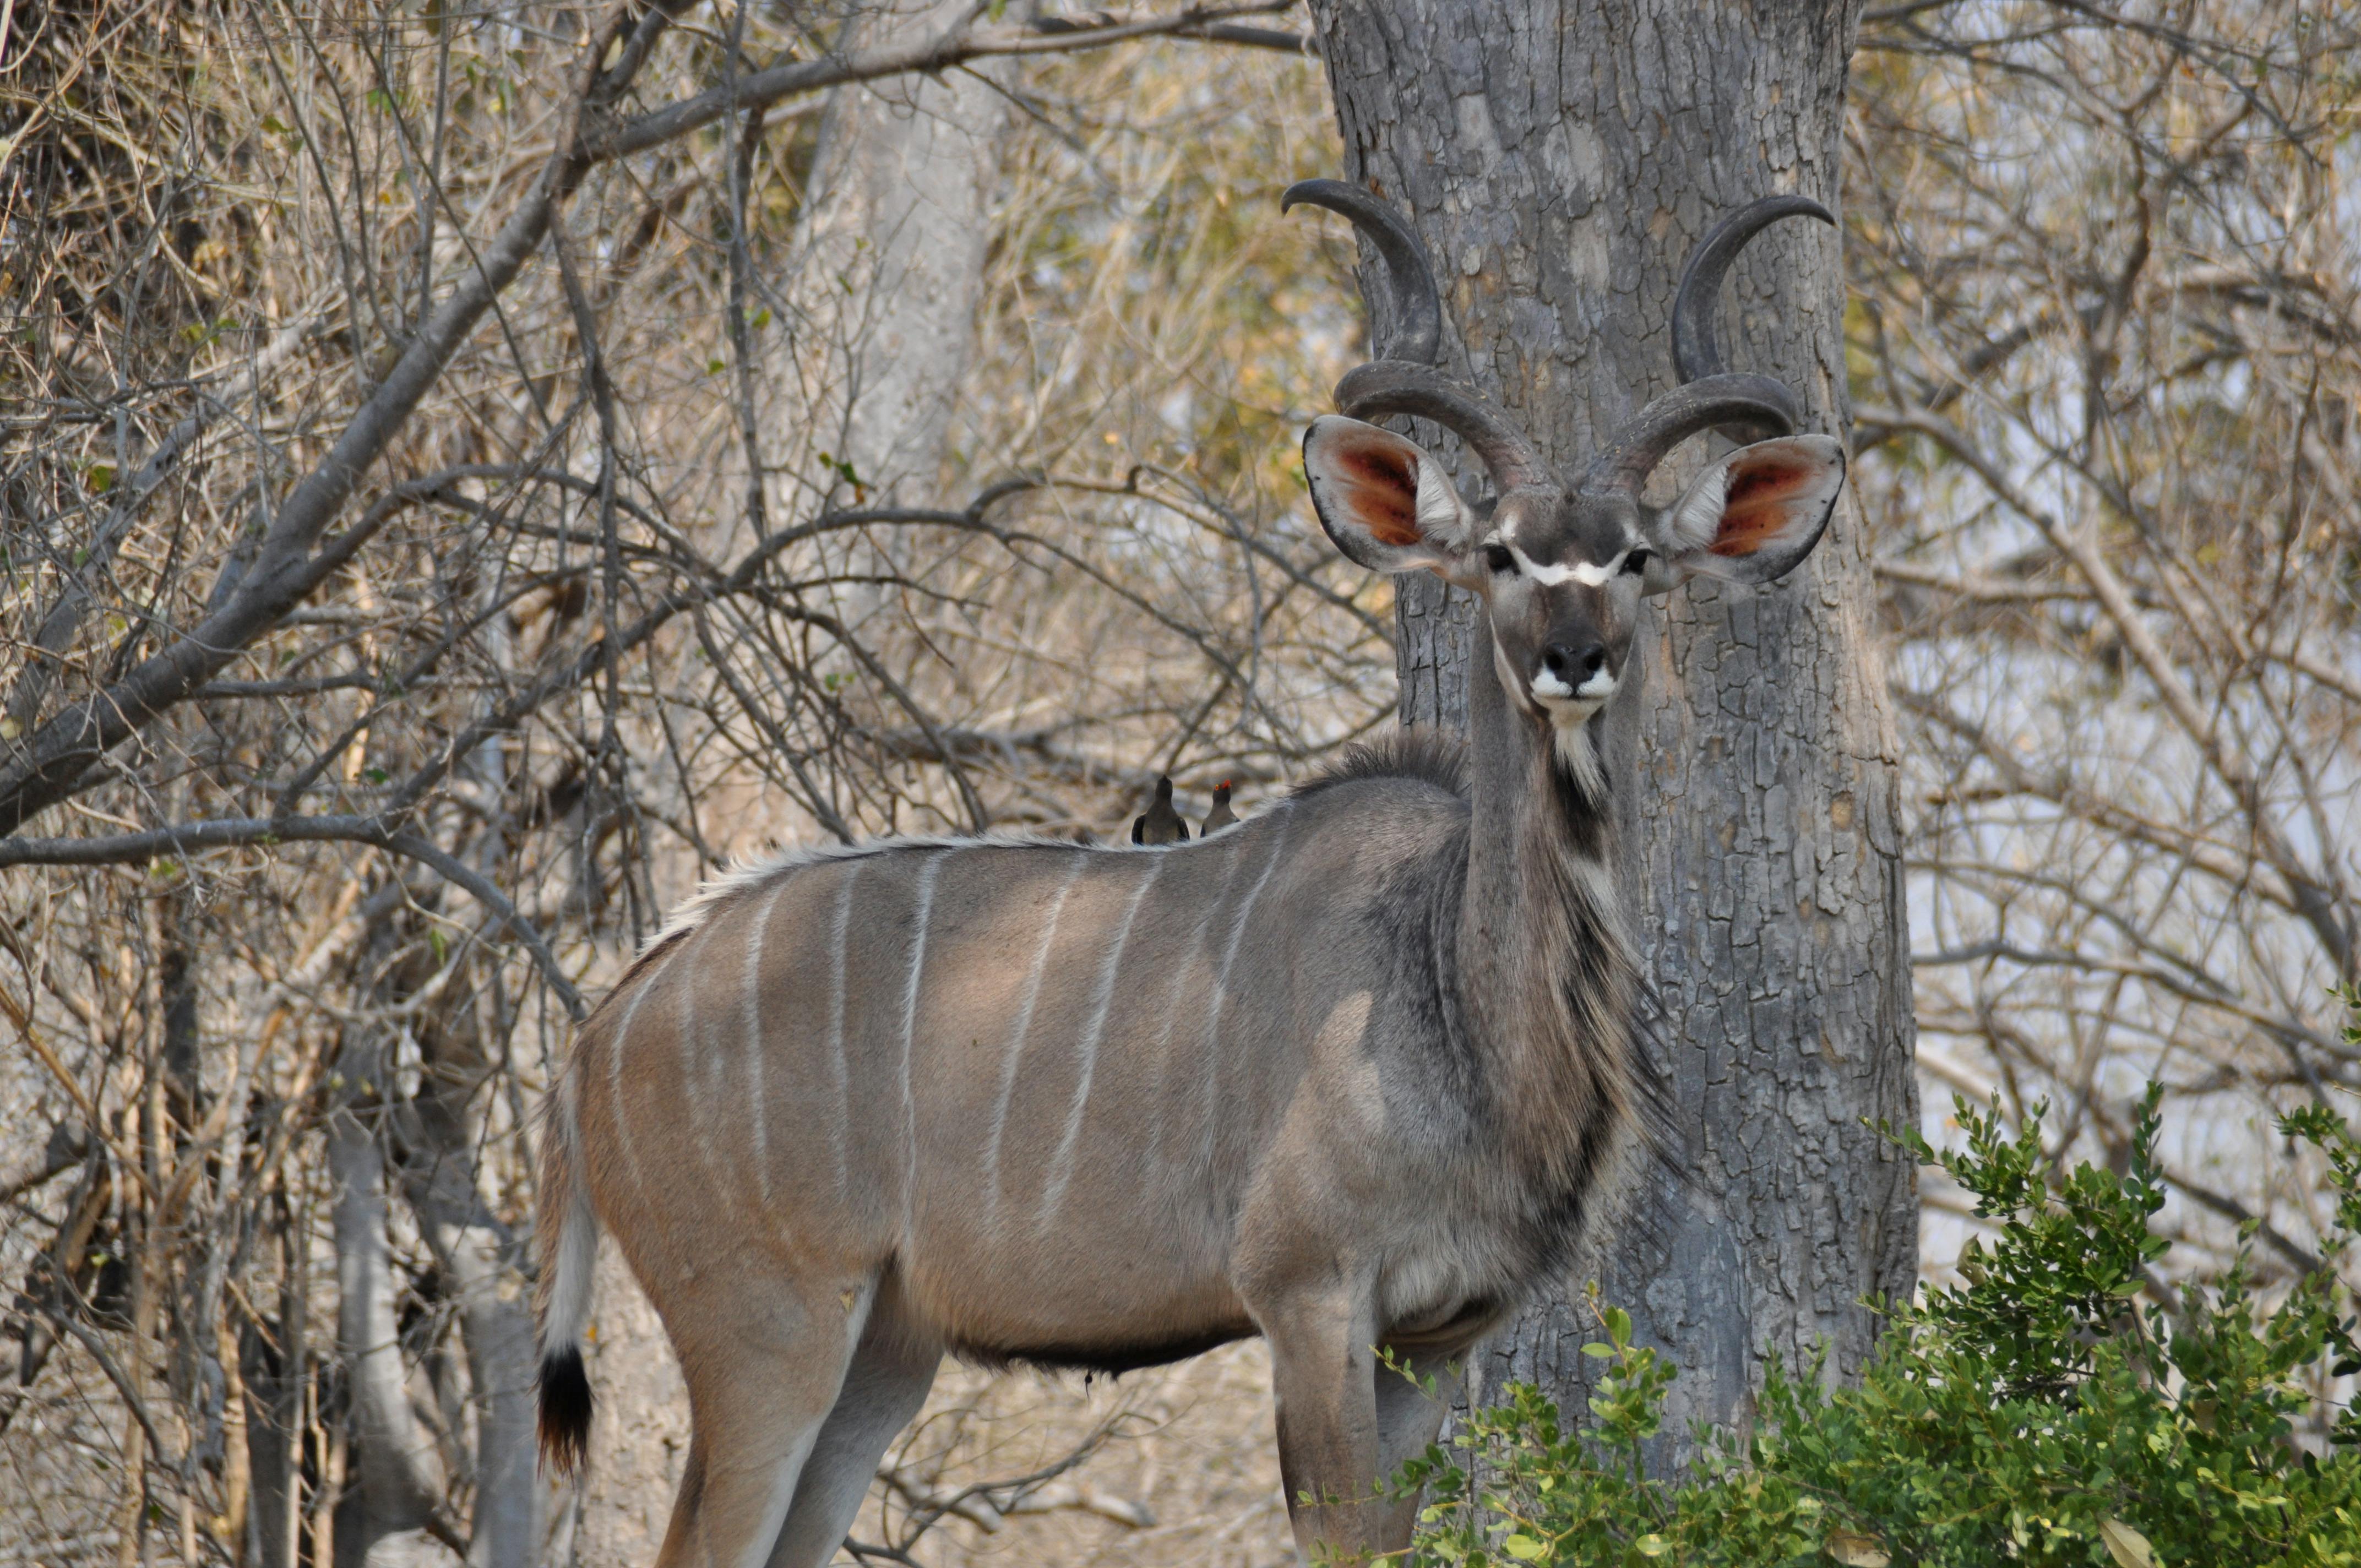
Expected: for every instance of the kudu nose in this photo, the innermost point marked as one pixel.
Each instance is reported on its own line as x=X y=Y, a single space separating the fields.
x=1573 y=665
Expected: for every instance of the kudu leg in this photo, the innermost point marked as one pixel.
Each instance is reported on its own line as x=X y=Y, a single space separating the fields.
x=883 y=1389
x=761 y=1380
x=1324 y=1381
x=1408 y=1419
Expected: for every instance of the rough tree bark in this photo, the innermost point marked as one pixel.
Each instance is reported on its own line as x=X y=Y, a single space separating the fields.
x=1560 y=156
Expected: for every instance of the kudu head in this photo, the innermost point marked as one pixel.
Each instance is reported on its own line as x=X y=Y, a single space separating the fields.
x=1562 y=567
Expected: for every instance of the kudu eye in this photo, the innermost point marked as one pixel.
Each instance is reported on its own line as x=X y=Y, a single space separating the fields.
x=1497 y=557
x=1635 y=564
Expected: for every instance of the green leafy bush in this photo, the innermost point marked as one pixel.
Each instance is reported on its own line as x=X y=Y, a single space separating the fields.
x=2032 y=1414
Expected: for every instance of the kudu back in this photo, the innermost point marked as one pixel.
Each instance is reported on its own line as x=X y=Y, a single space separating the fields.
x=1352 y=1074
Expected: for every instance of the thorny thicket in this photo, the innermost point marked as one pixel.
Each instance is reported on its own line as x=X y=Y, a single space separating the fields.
x=345 y=799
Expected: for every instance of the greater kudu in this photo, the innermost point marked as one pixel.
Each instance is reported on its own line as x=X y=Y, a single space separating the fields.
x=1349 y=1075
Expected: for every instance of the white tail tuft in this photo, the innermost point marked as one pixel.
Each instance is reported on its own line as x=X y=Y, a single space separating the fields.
x=569 y=1230
x=567 y=1244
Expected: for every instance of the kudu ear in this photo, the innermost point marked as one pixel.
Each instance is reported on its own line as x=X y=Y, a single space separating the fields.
x=1754 y=515
x=1386 y=503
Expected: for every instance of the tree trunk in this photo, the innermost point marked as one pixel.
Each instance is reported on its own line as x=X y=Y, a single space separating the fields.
x=401 y=1477
x=271 y=1442
x=891 y=256
x=1560 y=157
x=480 y=1259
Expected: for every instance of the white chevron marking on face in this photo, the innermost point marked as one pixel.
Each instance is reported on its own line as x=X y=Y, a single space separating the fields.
x=1061 y=1167
x=1014 y=1052
x=1583 y=572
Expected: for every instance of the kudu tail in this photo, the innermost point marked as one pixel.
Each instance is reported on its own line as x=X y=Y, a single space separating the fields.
x=567 y=1241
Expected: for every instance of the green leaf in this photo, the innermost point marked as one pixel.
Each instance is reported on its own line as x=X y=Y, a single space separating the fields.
x=1855 y=1551
x=2003 y=1417
x=2127 y=1546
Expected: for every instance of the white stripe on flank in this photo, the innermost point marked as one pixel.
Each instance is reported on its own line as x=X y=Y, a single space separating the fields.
x=615 y=1074
x=1014 y=1050
x=1221 y=979
x=689 y=1023
x=1184 y=970
x=752 y=1005
x=1061 y=1167
x=836 y=1123
x=717 y=1055
x=926 y=874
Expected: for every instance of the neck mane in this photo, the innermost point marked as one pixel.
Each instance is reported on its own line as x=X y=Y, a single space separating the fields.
x=1548 y=981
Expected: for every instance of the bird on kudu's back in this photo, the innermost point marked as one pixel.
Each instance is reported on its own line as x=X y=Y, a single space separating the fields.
x=1221 y=817
x=1160 y=824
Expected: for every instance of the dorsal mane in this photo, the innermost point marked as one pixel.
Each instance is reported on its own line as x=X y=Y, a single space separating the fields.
x=1422 y=752
x=751 y=877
